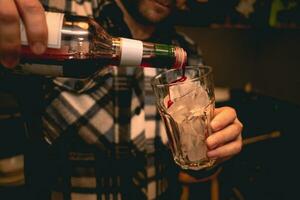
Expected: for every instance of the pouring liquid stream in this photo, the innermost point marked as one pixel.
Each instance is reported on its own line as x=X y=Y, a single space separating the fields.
x=181 y=79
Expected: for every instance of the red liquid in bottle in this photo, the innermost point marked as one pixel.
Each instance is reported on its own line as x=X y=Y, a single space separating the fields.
x=72 y=64
x=77 y=65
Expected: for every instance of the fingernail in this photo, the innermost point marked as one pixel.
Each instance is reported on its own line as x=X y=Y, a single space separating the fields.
x=214 y=124
x=212 y=146
x=212 y=154
x=38 y=47
x=9 y=61
x=209 y=144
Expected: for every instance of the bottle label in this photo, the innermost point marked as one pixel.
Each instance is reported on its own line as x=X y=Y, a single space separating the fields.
x=54 y=23
x=131 y=52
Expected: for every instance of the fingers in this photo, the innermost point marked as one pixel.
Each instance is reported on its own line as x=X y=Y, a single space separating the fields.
x=226 y=150
x=226 y=139
x=223 y=117
x=9 y=34
x=229 y=133
x=33 y=16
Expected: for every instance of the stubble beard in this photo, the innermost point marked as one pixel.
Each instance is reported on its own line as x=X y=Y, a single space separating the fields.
x=143 y=15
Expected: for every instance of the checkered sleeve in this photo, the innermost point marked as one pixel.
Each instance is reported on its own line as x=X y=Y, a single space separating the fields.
x=75 y=7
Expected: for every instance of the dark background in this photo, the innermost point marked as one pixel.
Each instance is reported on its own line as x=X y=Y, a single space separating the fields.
x=269 y=59
x=261 y=50
x=248 y=48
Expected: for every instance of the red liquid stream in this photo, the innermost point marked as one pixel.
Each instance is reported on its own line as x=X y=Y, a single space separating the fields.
x=181 y=79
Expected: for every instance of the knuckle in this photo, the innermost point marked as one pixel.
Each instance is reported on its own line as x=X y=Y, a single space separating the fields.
x=9 y=46
x=32 y=6
x=238 y=128
x=8 y=17
x=9 y=41
x=238 y=147
x=44 y=32
x=37 y=34
x=227 y=152
x=231 y=110
x=241 y=125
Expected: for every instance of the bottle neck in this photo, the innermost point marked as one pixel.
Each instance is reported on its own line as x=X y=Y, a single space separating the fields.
x=137 y=53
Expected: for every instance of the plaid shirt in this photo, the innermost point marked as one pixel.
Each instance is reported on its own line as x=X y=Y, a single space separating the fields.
x=107 y=140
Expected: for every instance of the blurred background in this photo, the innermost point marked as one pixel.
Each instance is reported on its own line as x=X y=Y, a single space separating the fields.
x=248 y=41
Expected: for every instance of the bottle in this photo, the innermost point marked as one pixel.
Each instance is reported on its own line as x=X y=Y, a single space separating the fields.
x=78 y=46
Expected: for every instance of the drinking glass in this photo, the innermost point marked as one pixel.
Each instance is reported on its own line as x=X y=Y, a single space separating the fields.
x=185 y=100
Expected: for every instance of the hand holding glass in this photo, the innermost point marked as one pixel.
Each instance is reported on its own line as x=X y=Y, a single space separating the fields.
x=185 y=100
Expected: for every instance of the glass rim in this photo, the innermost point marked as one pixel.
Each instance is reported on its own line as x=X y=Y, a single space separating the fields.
x=206 y=74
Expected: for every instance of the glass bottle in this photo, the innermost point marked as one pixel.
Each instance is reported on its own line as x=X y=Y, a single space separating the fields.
x=79 y=46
